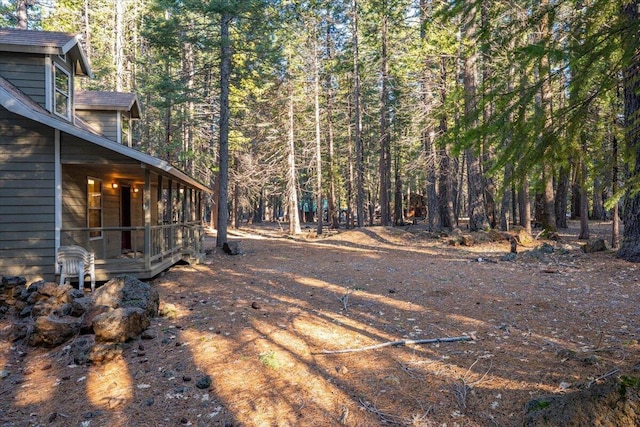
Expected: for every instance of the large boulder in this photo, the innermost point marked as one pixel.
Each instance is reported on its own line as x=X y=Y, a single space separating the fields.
x=127 y=291
x=50 y=331
x=84 y=350
x=120 y=325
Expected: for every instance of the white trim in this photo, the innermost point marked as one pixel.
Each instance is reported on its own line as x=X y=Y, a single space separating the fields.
x=48 y=84
x=101 y=181
x=58 y=193
x=119 y=127
x=57 y=67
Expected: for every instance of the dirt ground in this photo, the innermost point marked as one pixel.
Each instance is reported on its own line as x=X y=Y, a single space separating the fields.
x=257 y=323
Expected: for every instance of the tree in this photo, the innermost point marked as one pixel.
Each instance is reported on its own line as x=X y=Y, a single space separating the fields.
x=477 y=211
x=630 y=247
x=223 y=159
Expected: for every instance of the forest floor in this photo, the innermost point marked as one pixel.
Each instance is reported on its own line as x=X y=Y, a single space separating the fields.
x=257 y=324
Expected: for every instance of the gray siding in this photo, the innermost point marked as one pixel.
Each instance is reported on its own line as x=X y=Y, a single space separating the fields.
x=105 y=122
x=27 y=223
x=26 y=72
x=74 y=150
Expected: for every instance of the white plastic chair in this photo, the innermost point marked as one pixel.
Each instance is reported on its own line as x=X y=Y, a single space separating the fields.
x=76 y=261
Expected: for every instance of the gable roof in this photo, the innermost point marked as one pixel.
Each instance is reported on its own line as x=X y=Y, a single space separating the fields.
x=45 y=43
x=17 y=102
x=108 y=101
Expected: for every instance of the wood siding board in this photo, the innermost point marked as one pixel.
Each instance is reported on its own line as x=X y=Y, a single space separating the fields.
x=105 y=122
x=22 y=209
x=32 y=183
x=77 y=151
x=26 y=221
x=26 y=72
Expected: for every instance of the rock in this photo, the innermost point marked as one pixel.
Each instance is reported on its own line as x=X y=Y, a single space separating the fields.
x=84 y=350
x=255 y=305
x=20 y=330
x=127 y=291
x=9 y=282
x=467 y=240
x=104 y=352
x=121 y=324
x=508 y=257
x=232 y=248
x=80 y=306
x=51 y=289
x=50 y=331
x=63 y=310
x=523 y=237
x=595 y=246
x=613 y=402
x=494 y=235
x=87 y=319
x=204 y=382
x=26 y=312
x=545 y=248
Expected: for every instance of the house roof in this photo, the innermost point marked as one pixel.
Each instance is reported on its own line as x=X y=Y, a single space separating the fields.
x=109 y=101
x=17 y=102
x=46 y=43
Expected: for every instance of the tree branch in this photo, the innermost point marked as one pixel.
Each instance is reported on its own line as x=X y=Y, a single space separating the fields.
x=398 y=343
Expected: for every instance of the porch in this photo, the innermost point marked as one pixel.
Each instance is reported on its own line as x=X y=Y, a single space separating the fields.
x=152 y=249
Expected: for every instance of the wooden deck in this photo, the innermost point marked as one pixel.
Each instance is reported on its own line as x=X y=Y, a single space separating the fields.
x=153 y=249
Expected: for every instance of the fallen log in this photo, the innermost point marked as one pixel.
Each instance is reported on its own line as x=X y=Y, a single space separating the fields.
x=399 y=343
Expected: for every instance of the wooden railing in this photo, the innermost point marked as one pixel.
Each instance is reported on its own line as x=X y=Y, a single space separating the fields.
x=151 y=244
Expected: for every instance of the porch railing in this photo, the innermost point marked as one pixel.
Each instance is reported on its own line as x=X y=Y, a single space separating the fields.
x=152 y=244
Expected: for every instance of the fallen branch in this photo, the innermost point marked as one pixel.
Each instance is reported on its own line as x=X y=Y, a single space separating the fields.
x=398 y=343
x=601 y=377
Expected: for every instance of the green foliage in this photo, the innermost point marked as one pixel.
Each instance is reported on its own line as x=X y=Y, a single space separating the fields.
x=270 y=360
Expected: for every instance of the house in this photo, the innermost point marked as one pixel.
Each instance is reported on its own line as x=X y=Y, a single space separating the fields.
x=68 y=174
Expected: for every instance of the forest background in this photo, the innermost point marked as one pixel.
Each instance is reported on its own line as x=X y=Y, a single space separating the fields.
x=500 y=113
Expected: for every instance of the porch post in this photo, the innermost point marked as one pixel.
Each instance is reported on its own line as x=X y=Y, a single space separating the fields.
x=170 y=202
x=147 y=219
x=160 y=235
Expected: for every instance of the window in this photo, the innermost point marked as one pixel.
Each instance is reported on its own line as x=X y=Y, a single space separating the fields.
x=94 y=207
x=62 y=92
x=126 y=135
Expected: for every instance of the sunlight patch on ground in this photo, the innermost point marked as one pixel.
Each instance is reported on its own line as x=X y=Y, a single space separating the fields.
x=341 y=290
x=110 y=386
x=39 y=388
x=257 y=376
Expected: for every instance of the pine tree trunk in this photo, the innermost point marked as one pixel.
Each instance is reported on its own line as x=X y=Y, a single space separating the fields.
x=477 y=211
x=334 y=215
x=433 y=204
x=118 y=47
x=562 y=193
x=434 y=218
x=598 y=213
x=385 y=143
x=584 y=198
x=316 y=101
x=445 y=176
x=358 y=122
x=630 y=247
x=505 y=206
x=615 y=226
x=548 y=197
x=524 y=201
x=22 y=15
x=225 y=73
x=292 y=182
